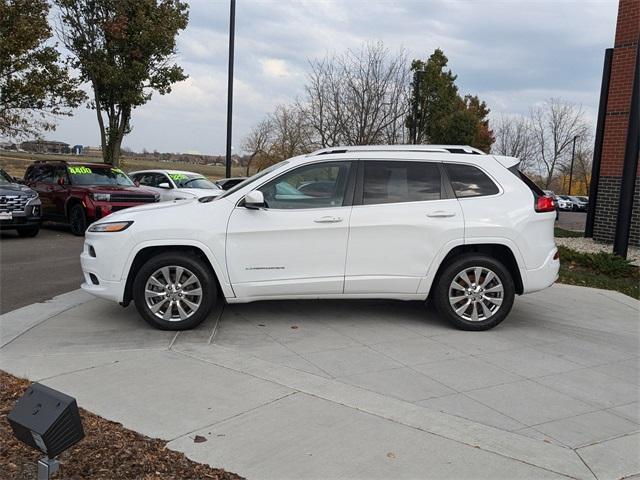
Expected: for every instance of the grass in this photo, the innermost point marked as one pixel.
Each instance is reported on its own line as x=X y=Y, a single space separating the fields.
x=599 y=270
x=15 y=164
x=564 y=233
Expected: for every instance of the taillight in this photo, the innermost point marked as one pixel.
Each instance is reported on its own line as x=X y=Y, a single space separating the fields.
x=545 y=204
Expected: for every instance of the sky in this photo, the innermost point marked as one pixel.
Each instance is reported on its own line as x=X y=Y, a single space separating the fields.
x=514 y=54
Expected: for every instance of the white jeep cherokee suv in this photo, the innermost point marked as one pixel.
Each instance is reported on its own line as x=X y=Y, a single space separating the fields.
x=450 y=224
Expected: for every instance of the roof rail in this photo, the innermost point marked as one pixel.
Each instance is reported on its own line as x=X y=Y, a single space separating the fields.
x=51 y=161
x=455 y=149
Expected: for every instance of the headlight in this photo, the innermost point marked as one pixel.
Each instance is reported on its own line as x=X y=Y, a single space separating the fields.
x=101 y=197
x=110 y=226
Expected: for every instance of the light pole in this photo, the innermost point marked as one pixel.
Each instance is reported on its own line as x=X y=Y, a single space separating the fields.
x=573 y=154
x=232 y=35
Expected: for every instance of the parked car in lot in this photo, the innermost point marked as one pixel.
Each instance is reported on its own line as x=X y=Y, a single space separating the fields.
x=580 y=204
x=80 y=193
x=175 y=184
x=564 y=202
x=228 y=183
x=20 y=207
x=465 y=230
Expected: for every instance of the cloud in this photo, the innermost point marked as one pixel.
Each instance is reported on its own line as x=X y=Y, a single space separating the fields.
x=513 y=54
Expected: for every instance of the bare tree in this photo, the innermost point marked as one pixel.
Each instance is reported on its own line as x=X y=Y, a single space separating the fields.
x=291 y=133
x=258 y=141
x=514 y=138
x=554 y=126
x=358 y=97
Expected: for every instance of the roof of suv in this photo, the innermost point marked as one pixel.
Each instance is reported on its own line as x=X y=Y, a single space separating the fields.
x=64 y=162
x=453 y=149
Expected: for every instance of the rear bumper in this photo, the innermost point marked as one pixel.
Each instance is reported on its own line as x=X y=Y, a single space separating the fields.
x=543 y=277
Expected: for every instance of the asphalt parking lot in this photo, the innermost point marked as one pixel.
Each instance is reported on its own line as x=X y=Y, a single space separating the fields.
x=36 y=269
x=572 y=221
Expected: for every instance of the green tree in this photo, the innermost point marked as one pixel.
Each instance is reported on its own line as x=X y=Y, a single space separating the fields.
x=124 y=49
x=35 y=85
x=439 y=113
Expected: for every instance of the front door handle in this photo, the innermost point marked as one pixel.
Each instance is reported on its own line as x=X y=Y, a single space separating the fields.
x=328 y=219
x=441 y=214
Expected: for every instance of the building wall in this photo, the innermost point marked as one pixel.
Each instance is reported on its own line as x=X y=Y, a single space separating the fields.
x=616 y=126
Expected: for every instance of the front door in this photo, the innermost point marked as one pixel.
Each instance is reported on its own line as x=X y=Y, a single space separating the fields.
x=402 y=217
x=297 y=244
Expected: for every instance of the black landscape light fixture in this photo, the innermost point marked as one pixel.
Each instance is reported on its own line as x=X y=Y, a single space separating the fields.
x=49 y=421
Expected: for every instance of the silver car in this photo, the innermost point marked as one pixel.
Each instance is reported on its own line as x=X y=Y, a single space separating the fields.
x=176 y=184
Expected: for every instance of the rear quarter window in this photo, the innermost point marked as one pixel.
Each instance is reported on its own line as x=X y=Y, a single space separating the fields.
x=469 y=181
x=535 y=189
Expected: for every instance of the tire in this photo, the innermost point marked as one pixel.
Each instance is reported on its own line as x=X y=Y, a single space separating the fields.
x=182 y=314
x=77 y=220
x=28 y=231
x=497 y=303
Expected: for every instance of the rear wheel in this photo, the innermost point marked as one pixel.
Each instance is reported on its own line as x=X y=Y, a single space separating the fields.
x=78 y=219
x=28 y=231
x=174 y=291
x=475 y=292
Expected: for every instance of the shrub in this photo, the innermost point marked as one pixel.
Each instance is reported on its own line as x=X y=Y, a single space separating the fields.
x=601 y=262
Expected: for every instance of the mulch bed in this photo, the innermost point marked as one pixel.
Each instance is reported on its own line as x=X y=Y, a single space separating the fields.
x=108 y=451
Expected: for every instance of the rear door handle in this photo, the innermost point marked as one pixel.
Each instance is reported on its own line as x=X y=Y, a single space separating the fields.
x=441 y=214
x=328 y=219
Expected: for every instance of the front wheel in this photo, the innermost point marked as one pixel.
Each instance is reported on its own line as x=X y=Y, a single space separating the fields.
x=174 y=291
x=78 y=219
x=475 y=292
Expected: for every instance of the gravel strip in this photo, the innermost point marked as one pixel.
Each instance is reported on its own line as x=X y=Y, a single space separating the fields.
x=587 y=245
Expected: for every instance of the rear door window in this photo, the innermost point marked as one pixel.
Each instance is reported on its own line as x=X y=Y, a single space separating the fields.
x=469 y=181
x=398 y=182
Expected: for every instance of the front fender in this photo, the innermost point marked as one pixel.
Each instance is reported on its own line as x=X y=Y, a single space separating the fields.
x=218 y=269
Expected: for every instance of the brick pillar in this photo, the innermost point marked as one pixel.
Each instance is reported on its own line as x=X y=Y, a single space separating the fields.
x=616 y=126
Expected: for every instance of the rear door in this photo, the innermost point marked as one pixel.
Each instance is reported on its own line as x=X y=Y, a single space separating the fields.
x=403 y=214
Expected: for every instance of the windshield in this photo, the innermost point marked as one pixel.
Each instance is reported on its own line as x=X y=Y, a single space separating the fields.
x=93 y=175
x=254 y=178
x=5 y=178
x=185 y=180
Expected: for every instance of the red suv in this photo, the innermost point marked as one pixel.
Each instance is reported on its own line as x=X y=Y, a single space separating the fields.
x=80 y=193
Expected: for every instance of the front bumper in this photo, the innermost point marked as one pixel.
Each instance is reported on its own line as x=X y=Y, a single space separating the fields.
x=103 y=260
x=543 y=277
x=29 y=217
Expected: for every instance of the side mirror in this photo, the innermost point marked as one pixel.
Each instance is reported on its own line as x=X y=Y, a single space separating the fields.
x=254 y=200
x=136 y=183
x=164 y=185
x=61 y=181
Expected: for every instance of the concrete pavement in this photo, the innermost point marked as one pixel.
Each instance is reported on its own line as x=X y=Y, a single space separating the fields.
x=357 y=389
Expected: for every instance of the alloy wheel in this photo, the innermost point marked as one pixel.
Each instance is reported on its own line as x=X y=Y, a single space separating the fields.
x=476 y=294
x=173 y=293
